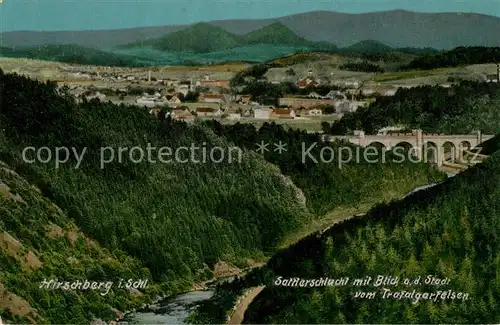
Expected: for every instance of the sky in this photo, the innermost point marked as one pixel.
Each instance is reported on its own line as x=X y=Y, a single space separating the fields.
x=114 y=14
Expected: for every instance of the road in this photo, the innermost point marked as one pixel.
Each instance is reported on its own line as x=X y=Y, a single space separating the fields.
x=239 y=313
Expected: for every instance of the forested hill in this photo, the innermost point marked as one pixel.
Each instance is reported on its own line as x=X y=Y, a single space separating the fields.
x=38 y=241
x=71 y=53
x=461 y=109
x=457 y=57
x=449 y=231
x=174 y=221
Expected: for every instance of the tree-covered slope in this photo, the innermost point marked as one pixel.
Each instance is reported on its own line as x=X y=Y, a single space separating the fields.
x=491 y=146
x=39 y=242
x=457 y=57
x=329 y=180
x=199 y=38
x=369 y=46
x=70 y=53
x=276 y=33
x=279 y=34
x=206 y=38
x=450 y=231
x=460 y=109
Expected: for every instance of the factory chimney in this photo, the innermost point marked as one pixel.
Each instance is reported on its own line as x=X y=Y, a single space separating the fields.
x=498 y=72
x=149 y=76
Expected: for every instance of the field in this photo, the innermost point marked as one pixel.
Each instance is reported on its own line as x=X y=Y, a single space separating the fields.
x=303 y=57
x=59 y=72
x=410 y=74
x=228 y=67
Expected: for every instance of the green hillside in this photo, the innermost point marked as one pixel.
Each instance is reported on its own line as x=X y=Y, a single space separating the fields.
x=450 y=232
x=490 y=146
x=175 y=221
x=461 y=109
x=279 y=34
x=39 y=241
x=360 y=182
x=70 y=53
x=457 y=57
x=206 y=38
x=368 y=47
x=276 y=33
x=199 y=38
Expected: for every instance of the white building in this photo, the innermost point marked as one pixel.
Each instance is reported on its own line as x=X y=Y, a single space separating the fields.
x=151 y=100
x=234 y=116
x=262 y=113
x=350 y=83
x=314 y=95
x=390 y=92
x=335 y=94
x=94 y=95
x=343 y=107
x=347 y=83
x=145 y=102
x=183 y=89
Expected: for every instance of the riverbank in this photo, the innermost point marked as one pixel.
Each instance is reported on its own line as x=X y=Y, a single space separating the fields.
x=201 y=291
x=239 y=311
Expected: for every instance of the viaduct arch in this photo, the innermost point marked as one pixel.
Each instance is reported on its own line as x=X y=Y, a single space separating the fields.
x=426 y=146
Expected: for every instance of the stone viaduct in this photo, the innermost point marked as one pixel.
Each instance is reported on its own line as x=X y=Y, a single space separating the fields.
x=445 y=146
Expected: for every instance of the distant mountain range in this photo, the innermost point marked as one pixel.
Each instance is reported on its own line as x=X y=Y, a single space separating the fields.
x=201 y=43
x=397 y=28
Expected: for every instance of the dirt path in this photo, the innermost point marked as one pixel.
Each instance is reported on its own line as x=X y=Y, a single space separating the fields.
x=241 y=308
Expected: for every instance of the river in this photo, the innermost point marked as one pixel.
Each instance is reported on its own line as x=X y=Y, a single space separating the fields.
x=176 y=309
x=427 y=186
x=171 y=311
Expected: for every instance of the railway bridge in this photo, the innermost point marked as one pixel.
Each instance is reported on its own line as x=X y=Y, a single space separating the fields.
x=434 y=147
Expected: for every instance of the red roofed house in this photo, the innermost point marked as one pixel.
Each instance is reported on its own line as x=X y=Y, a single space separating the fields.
x=211 y=98
x=207 y=111
x=283 y=113
x=308 y=82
